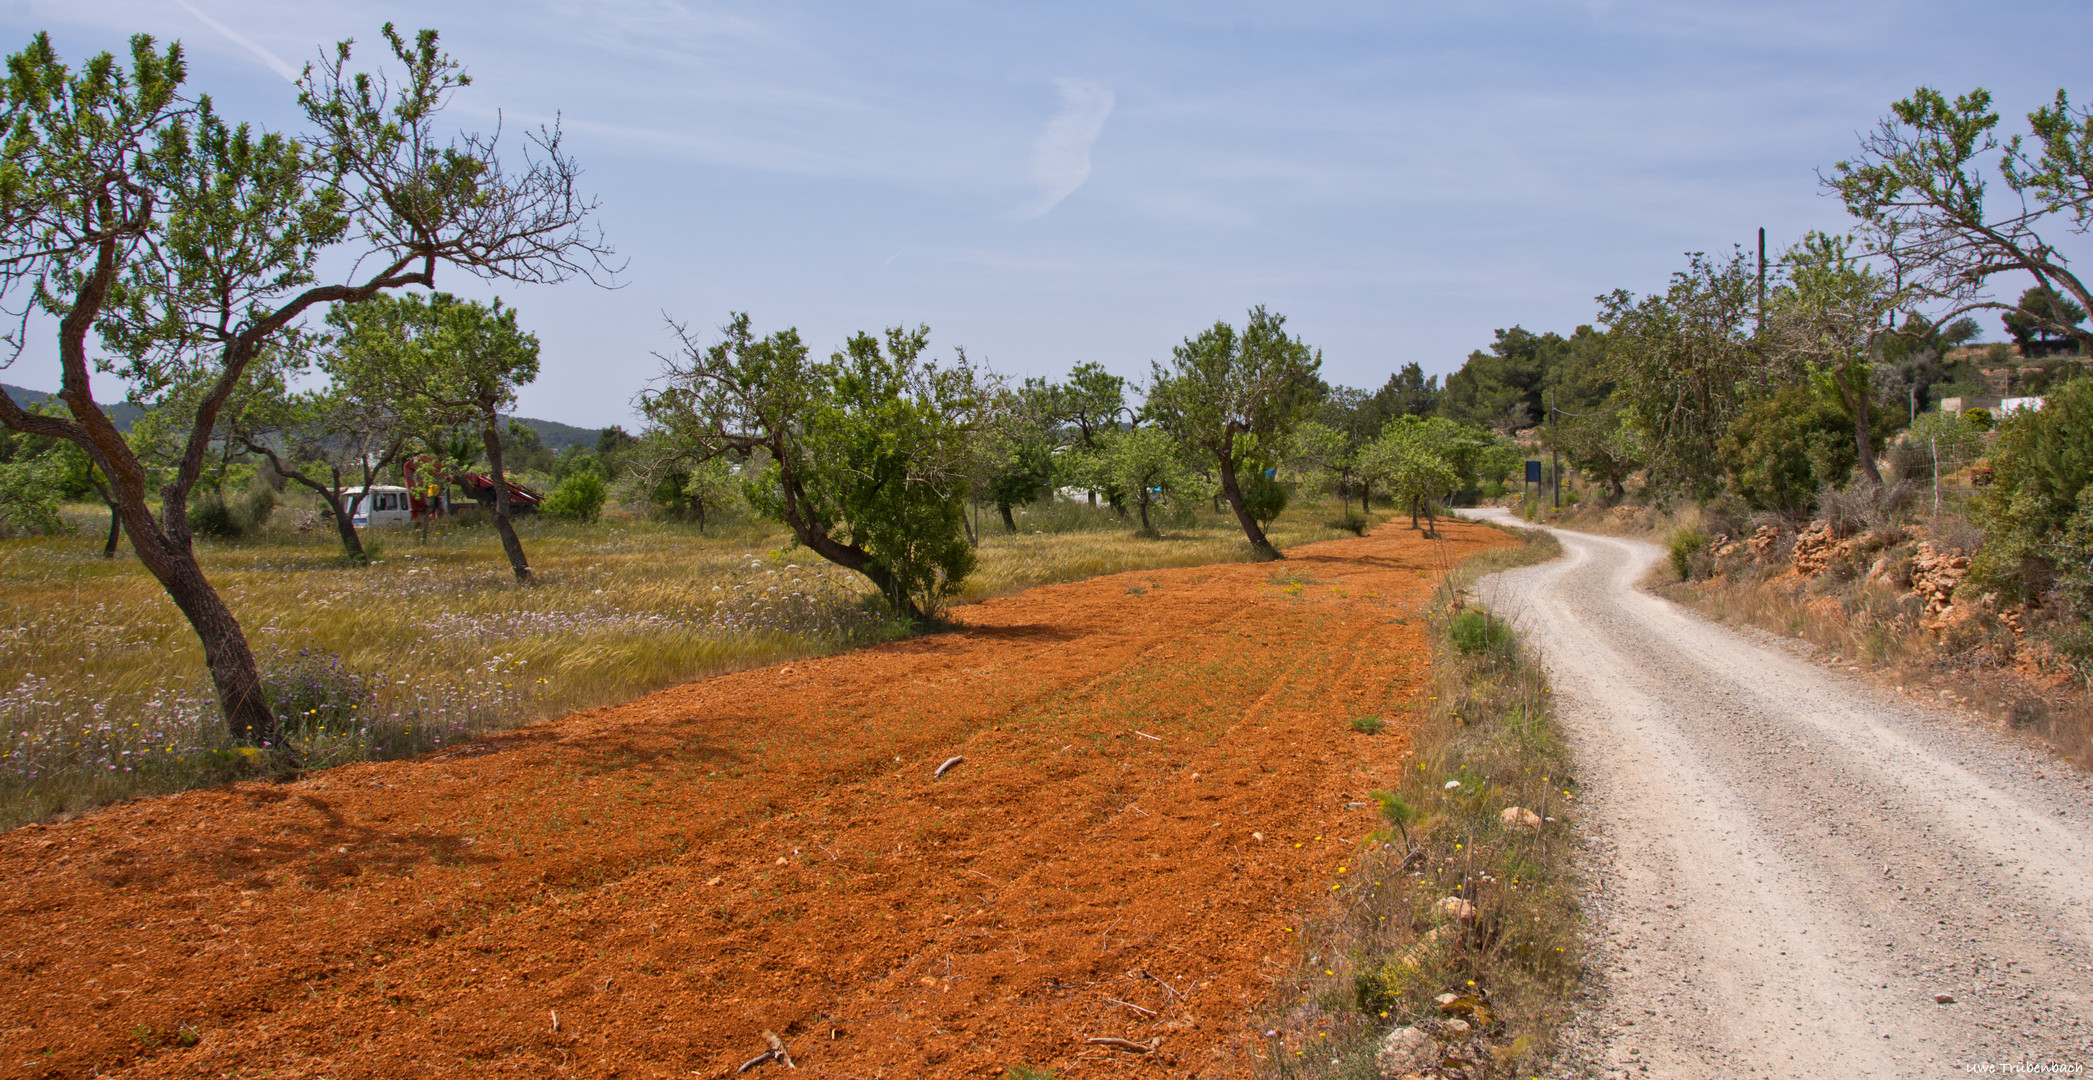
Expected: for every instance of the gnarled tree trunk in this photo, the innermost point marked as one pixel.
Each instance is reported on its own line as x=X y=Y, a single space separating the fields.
x=509 y=543
x=1233 y=492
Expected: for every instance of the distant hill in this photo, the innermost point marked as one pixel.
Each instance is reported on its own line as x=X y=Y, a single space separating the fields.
x=557 y=436
x=552 y=433
x=122 y=414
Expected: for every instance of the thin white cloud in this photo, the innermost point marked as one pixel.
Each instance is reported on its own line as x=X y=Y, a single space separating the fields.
x=274 y=61
x=1061 y=153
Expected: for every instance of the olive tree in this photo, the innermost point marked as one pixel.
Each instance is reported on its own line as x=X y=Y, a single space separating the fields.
x=170 y=245
x=865 y=456
x=1234 y=398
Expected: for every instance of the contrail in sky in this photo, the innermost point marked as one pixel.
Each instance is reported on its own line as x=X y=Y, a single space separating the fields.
x=1061 y=153
x=274 y=61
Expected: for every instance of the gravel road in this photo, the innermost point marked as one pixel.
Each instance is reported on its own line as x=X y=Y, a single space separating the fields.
x=1791 y=868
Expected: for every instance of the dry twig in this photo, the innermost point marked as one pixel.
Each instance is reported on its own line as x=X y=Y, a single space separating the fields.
x=1128 y=1045
x=947 y=766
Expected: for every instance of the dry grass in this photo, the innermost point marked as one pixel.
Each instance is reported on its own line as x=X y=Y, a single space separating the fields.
x=103 y=695
x=1484 y=742
x=1873 y=628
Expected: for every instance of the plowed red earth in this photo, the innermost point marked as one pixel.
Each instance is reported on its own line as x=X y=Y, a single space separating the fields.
x=1160 y=781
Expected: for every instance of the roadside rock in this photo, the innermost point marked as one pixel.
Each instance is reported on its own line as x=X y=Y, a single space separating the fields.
x=1405 y=1050
x=1457 y=909
x=1520 y=816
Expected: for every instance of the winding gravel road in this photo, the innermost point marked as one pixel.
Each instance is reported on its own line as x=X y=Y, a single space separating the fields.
x=1790 y=867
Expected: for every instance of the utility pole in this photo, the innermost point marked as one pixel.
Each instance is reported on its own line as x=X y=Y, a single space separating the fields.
x=1554 y=454
x=1762 y=281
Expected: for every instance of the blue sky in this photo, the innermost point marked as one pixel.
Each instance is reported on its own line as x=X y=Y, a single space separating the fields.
x=1046 y=184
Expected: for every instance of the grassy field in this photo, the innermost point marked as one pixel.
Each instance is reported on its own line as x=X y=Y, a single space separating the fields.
x=103 y=695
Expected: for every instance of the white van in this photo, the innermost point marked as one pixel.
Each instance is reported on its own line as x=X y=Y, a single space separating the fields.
x=383 y=505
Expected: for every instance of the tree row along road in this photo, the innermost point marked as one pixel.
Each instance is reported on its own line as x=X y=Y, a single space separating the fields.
x=1790 y=866
x=1159 y=779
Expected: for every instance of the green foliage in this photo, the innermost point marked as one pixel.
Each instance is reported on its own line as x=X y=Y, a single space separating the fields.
x=1684 y=365
x=1017 y=448
x=209 y=515
x=1397 y=812
x=1918 y=187
x=2042 y=321
x=1368 y=725
x=1954 y=438
x=677 y=488
x=31 y=487
x=1684 y=545
x=1264 y=497
x=579 y=497
x=1408 y=392
x=184 y=244
x=2041 y=463
x=1149 y=466
x=1421 y=461
x=869 y=453
x=1478 y=633
x=1235 y=398
x=1786 y=447
x=1504 y=389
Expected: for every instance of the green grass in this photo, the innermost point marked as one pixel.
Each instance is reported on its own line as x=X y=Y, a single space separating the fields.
x=102 y=688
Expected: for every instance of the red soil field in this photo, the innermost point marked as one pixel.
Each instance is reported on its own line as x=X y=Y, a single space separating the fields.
x=1160 y=782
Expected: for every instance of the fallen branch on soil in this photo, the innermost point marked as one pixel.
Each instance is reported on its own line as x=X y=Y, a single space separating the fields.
x=947 y=766
x=777 y=1052
x=1128 y=1045
x=1146 y=735
x=1131 y=1005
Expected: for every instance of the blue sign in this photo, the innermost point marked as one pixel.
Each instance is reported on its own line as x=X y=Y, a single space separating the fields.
x=1533 y=472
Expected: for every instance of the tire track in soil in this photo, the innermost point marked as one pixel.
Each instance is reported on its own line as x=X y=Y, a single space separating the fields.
x=768 y=849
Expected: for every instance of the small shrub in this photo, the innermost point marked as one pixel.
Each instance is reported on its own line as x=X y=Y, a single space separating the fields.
x=1351 y=523
x=1367 y=725
x=578 y=498
x=1476 y=633
x=209 y=516
x=1264 y=498
x=1685 y=544
x=1028 y=1072
x=312 y=688
x=257 y=505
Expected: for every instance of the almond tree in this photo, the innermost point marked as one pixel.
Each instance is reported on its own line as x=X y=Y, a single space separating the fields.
x=1234 y=398
x=171 y=246
x=452 y=362
x=327 y=440
x=865 y=456
x=1921 y=191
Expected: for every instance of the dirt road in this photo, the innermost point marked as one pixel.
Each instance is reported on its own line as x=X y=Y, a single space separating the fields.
x=1791 y=865
x=1159 y=779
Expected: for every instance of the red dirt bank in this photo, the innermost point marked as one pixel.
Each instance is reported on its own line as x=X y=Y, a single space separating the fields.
x=670 y=877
